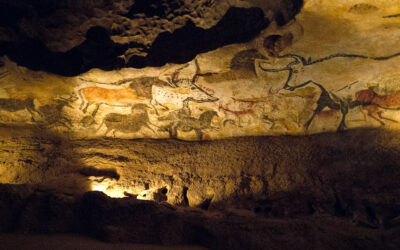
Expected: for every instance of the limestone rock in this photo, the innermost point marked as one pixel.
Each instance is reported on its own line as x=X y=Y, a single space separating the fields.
x=71 y=37
x=130 y=220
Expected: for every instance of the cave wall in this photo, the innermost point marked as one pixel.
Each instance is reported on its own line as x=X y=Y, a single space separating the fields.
x=332 y=67
x=350 y=176
x=251 y=124
x=329 y=69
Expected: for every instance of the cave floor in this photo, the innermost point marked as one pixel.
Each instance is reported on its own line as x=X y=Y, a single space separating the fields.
x=72 y=241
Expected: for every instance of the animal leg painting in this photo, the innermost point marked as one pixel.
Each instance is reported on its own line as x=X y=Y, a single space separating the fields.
x=111 y=97
x=127 y=123
x=14 y=105
x=375 y=104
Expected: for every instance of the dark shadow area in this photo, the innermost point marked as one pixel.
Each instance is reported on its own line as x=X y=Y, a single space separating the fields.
x=10 y=14
x=150 y=8
x=13 y=11
x=99 y=51
x=36 y=155
x=237 y=26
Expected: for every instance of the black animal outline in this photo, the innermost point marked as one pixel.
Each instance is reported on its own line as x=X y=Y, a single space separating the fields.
x=326 y=99
x=127 y=123
x=188 y=124
x=14 y=105
x=173 y=82
x=181 y=119
x=53 y=113
x=176 y=82
x=297 y=60
x=392 y=16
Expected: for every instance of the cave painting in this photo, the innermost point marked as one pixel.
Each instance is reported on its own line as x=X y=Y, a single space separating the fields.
x=182 y=120
x=235 y=110
x=244 y=99
x=129 y=123
x=267 y=86
x=13 y=105
x=375 y=104
x=297 y=78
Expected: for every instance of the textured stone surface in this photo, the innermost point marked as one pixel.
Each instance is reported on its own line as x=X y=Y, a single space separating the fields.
x=332 y=72
x=145 y=222
x=213 y=173
x=315 y=74
x=70 y=37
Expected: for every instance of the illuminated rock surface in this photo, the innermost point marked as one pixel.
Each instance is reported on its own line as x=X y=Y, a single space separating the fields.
x=331 y=68
x=339 y=189
x=264 y=125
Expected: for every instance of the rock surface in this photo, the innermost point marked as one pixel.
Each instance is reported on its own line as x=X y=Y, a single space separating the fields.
x=347 y=224
x=345 y=174
x=241 y=72
x=71 y=37
x=244 y=74
x=13 y=241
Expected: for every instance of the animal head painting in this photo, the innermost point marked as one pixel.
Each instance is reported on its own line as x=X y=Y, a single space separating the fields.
x=289 y=78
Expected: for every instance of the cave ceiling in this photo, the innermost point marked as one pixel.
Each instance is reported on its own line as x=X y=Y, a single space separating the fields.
x=198 y=70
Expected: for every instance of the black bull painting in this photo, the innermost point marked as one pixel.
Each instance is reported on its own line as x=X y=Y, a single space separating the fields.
x=299 y=72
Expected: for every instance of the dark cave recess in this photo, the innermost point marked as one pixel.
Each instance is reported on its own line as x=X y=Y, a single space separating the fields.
x=238 y=25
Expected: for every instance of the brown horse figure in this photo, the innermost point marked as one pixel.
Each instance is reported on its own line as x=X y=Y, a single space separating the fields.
x=373 y=103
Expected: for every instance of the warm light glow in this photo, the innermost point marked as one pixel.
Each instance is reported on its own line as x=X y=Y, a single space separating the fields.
x=108 y=190
x=146 y=195
x=115 y=191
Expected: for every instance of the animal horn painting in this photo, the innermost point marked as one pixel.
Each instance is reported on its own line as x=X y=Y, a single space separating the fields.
x=272 y=84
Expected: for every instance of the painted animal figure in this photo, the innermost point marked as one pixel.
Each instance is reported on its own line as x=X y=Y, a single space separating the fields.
x=143 y=85
x=176 y=96
x=299 y=72
x=109 y=96
x=14 y=105
x=159 y=92
x=187 y=124
x=174 y=117
x=242 y=66
x=181 y=90
x=299 y=69
x=373 y=103
x=130 y=123
x=237 y=113
x=178 y=114
x=53 y=113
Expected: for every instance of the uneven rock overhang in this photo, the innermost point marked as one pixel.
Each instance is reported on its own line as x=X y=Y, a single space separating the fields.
x=72 y=37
